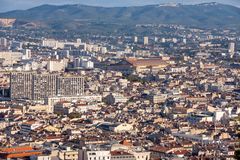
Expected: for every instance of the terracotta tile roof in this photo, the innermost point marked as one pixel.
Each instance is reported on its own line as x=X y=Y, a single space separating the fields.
x=126 y=143
x=146 y=62
x=30 y=122
x=18 y=152
x=16 y=149
x=115 y=153
x=159 y=149
x=180 y=152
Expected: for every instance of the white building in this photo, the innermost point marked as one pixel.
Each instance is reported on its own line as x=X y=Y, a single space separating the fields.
x=231 y=49
x=137 y=151
x=218 y=115
x=114 y=98
x=49 y=43
x=53 y=100
x=26 y=54
x=87 y=64
x=52 y=43
x=163 y=40
x=145 y=40
x=174 y=40
x=40 y=157
x=117 y=151
x=123 y=127
x=94 y=155
x=135 y=39
x=56 y=65
x=197 y=138
x=10 y=58
x=29 y=126
x=77 y=62
x=103 y=50
x=184 y=40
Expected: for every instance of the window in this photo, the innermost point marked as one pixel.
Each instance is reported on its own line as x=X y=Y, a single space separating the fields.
x=92 y=153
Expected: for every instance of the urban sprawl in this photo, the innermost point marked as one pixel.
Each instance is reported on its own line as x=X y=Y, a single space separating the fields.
x=172 y=94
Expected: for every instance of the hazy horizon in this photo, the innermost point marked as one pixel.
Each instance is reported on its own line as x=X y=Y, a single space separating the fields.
x=8 y=5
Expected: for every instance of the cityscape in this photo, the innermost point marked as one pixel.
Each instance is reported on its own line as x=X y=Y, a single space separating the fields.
x=149 y=82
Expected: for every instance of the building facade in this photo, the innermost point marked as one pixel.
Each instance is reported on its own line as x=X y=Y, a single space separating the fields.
x=44 y=85
x=21 y=85
x=34 y=86
x=70 y=86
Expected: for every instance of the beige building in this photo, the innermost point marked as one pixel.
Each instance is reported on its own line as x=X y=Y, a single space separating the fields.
x=145 y=40
x=10 y=58
x=124 y=127
x=40 y=108
x=68 y=154
x=56 y=65
x=50 y=101
x=7 y=22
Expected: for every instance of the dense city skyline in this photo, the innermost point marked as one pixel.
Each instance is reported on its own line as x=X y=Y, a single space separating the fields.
x=8 y=5
x=126 y=80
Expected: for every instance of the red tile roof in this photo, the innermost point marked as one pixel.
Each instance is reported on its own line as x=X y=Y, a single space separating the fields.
x=146 y=62
x=115 y=153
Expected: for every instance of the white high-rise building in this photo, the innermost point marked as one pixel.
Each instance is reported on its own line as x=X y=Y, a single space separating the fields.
x=87 y=64
x=174 y=40
x=27 y=53
x=81 y=62
x=70 y=85
x=145 y=40
x=52 y=43
x=79 y=41
x=184 y=40
x=163 y=40
x=135 y=39
x=77 y=62
x=231 y=49
x=103 y=50
x=36 y=86
x=49 y=43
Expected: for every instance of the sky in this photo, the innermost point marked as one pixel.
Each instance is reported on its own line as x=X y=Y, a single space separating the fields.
x=8 y=5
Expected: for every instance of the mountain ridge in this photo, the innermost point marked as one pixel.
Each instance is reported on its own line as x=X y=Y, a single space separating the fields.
x=202 y=15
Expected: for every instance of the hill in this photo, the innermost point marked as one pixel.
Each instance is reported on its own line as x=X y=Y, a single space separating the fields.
x=202 y=15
